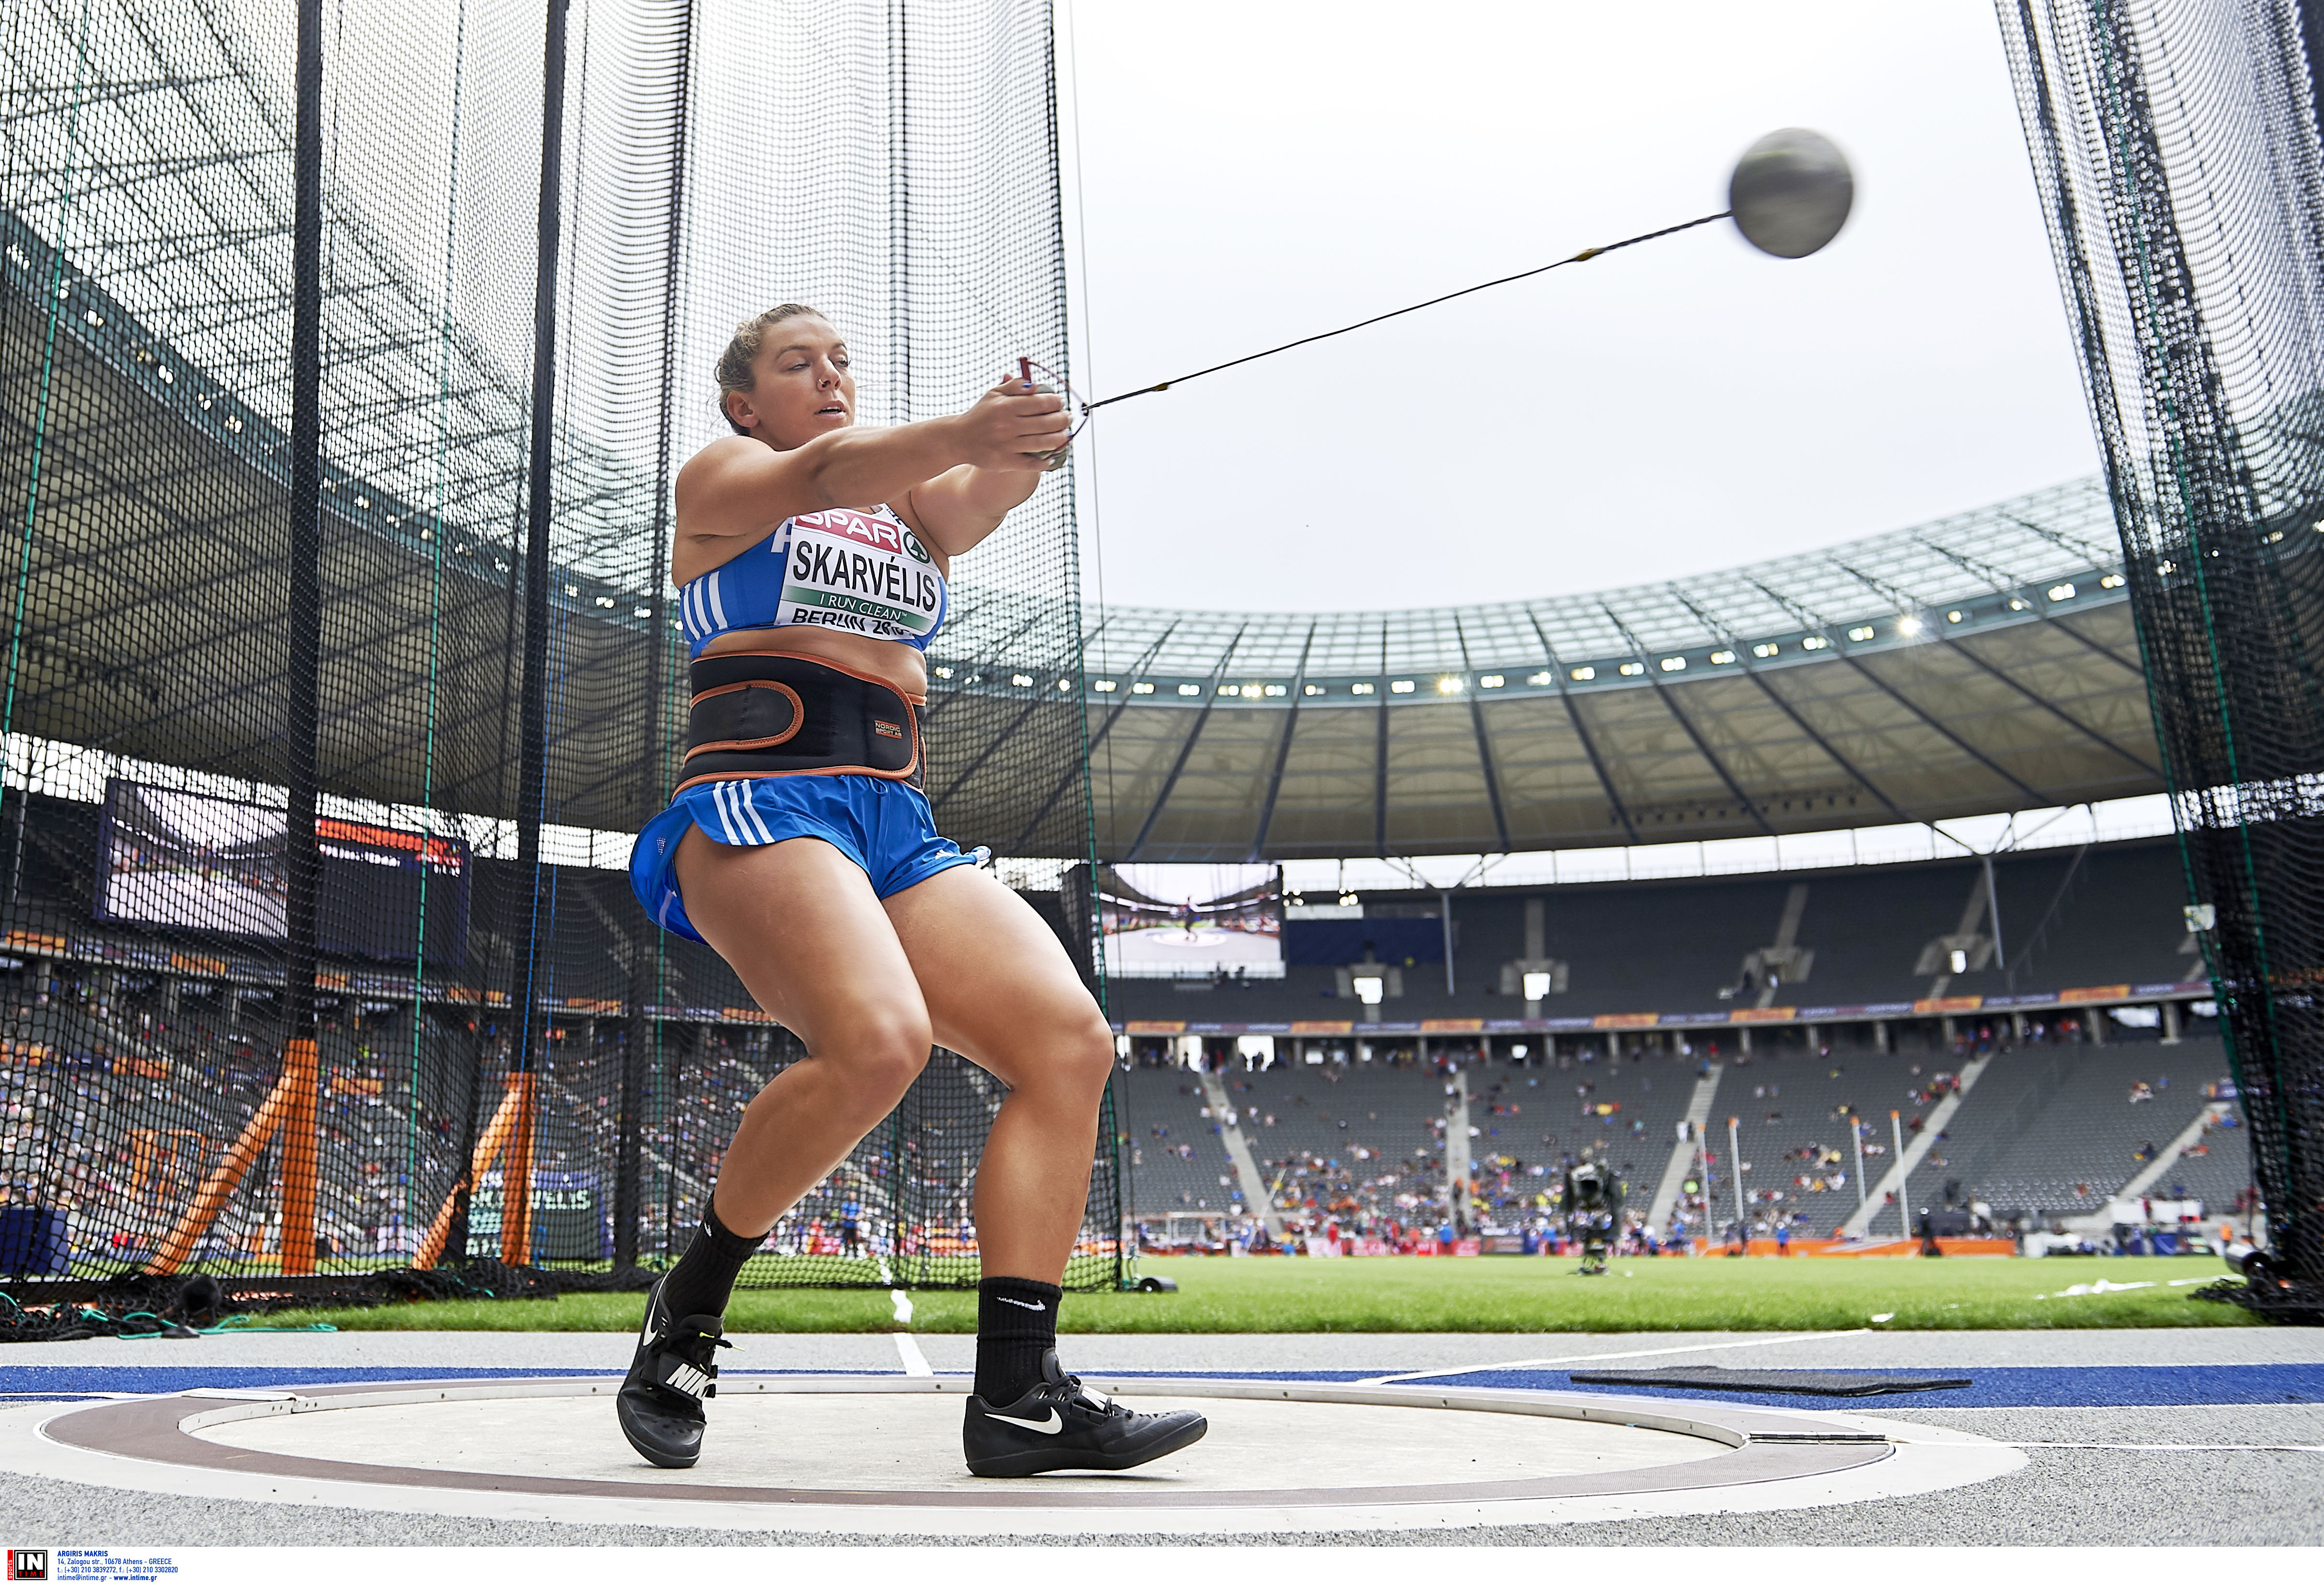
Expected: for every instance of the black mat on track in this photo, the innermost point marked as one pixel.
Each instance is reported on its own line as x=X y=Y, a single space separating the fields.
x=1809 y=1382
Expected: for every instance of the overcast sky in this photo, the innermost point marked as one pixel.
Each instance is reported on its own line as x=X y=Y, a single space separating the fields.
x=1254 y=171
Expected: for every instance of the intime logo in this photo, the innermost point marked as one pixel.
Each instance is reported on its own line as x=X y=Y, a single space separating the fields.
x=28 y=1564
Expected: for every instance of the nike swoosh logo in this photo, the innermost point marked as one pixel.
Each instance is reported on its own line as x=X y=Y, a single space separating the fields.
x=1049 y=1426
x=1036 y=1308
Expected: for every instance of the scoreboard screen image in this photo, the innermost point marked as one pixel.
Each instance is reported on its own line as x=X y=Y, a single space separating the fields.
x=188 y=861
x=1191 y=921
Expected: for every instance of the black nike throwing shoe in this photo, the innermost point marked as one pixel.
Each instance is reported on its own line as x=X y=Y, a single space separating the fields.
x=1062 y=1424
x=675 y=1367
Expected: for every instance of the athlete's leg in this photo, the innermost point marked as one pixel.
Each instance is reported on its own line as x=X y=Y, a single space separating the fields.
x=798 y=924
x=1000 y=990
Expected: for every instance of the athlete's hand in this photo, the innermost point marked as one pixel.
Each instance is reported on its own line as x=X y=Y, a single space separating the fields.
x=1013 y=427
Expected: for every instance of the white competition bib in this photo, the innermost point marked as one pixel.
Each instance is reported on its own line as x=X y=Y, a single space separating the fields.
x=861 y=574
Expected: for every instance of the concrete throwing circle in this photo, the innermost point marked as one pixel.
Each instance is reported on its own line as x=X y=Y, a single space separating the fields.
x=880 y=1455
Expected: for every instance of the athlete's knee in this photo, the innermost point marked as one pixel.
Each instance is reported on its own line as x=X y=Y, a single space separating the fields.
x=1078 y=1050
x=884 y=1054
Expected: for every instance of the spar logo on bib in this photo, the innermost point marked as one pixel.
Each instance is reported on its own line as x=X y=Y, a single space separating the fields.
x=860 y=573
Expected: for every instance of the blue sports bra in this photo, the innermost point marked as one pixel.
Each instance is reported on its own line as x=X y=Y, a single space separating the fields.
x=861 y=573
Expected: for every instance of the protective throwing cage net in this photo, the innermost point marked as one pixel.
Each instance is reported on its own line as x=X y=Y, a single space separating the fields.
x=2175 y=149
x=338 y=421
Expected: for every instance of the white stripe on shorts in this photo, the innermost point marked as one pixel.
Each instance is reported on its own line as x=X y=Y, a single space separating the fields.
x=742 y=801
x=718 y=801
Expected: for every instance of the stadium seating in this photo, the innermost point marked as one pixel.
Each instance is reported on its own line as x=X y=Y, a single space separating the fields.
x=1529 y=1120
x=1793 y=1113
x=2069 y=917
x=2085 y=1142
x=1162 y=1179
x=1331 y=1133
x=2049 y=1128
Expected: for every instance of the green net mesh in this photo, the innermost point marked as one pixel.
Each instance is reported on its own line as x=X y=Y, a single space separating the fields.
x=2175 y=149
x=340 y=647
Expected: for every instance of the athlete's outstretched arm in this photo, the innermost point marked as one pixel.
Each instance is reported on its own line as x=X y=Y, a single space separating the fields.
x=956 y=510
x=741 y=490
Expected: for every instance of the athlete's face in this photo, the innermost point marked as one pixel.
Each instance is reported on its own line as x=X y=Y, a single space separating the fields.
x=801 y=386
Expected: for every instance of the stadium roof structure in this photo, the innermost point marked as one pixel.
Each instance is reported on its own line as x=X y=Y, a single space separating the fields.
x=1975 y=664
x=1979 y=663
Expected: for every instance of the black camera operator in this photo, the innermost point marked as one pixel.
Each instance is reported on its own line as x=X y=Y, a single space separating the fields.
x=1591 y=1203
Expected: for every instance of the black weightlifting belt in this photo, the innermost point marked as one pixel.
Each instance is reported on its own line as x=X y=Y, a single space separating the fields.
x=758 y=713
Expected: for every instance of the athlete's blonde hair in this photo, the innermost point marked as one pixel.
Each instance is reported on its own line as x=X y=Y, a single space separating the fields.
x=750 y=336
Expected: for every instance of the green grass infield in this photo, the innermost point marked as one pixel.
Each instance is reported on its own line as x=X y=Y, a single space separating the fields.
x=1502 y=1294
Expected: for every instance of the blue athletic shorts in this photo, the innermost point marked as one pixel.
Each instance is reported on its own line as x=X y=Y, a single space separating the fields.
x=885 y=827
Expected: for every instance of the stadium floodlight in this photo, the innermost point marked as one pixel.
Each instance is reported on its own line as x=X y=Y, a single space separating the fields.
x=1909 y=627
x=1536 y=985
x=1370 y=987
x=1960 y=962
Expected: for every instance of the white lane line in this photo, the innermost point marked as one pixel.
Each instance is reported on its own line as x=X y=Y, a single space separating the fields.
x=915 y=1361
x=1389 y=1380
x=2160 y=1447
x=76 y=1396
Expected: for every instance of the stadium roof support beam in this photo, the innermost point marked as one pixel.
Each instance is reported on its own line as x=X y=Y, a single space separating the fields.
x=1002 y=647
x=1040 y=697
x=1812 y=620
x=1186 y=748
x=1581 y=730
x=1726 y=776
x=1933 y=724
x=1796 y=718
x=1904 y=602
x=2100 y=738
x=1283 y=746
x=2108 y=554
x=2002 y=584
x=1484 y=747
x=1139 y=668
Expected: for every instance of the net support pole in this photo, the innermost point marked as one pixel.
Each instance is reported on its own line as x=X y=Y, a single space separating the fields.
x=629 y=1206
x=301 y=1068
x=1903 y=1178
x=532 y=712
x=628 y=1176
x=1735 y=1171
